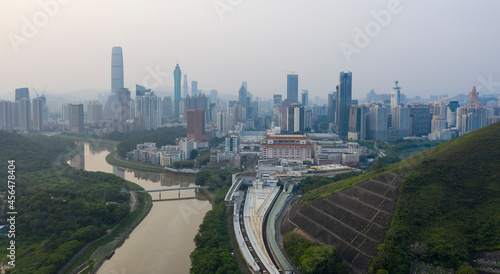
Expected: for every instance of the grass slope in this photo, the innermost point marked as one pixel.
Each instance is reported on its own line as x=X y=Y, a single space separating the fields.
x=448 y=206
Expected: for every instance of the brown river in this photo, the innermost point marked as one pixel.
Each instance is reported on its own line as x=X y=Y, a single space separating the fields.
x=162 y=242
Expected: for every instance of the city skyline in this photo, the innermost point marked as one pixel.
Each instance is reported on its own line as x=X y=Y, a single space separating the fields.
x=320 y=55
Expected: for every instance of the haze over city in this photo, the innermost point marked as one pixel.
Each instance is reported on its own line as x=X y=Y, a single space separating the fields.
x=433 y=47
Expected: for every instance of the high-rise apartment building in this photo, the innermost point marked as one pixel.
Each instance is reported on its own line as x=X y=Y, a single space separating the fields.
x=24 y=114
x=357 y=123
x=37 y=106
x=377 y=125
x=344 y=96
x=420 y=120
x=401 y=121
x=148 y=110
x=94 y=112
x=6 y=113
x=292 y=88
x=177 y=90
x=76 y=118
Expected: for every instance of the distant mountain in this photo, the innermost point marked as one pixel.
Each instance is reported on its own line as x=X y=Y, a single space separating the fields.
x=438 y=207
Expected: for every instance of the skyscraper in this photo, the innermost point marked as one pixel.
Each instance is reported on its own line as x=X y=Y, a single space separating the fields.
x=292 y=88
x=148 y=109
x=116 y=69
x=396 y=95
x=76 y=118
x=242 y=96
x=94 y=111
x=401 y=121
x=6 y=111
x=194 y=88
x=24 y=114
x=305 y=98
x=140 y=90
x=473 y=97
x=344 y=95
x=177 y=89
x=37 y=106
x=185 y=88
x=22 y=93
x=167 y=107
x=277 y=98
x=196 y=125
x=111 y=108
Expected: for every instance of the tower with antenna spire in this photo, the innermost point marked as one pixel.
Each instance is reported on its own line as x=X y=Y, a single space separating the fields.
x=396 y=95
x=177 y=90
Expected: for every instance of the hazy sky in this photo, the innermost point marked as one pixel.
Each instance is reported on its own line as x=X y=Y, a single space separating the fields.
x=431 y=47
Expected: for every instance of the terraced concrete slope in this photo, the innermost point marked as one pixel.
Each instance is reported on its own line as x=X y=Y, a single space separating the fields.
x=353 y=220
x=446 y=210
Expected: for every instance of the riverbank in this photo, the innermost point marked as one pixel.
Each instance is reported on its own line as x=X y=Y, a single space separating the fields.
x=90 y=139
x=97 y=253
x=113 y=160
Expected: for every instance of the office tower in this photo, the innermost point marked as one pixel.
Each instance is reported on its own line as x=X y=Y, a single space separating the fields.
x=344 y=96
x=6 y=111
x=76 y=118
x=377 y=125
x=332 y=106
x=305 y=98
x=277 y=98
x=148 y=110
x=24 y=114
x=140 y=90
x=194 y=88
x=94 y=112
x=473 y=97
x=420 y=120
x=213 y=96
x=401 y=121
x=396 y=95
x=116 y=69
x=122 y=105
x=117 y=84
x=22 y=93
x=196 y=102
x=451 y=113
x=177 y=90
x=167 y=107
x=242 y=96
x=357 y=123
x=37 y=106
x=196 y=125
x=244 y=83
x=185 y=88
x=292 y=88
x=295 y=118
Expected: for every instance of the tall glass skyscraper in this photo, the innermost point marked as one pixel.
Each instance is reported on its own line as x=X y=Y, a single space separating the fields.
x=344 y=96
x=177 y=90
x=292 y=88
x=116 y=69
